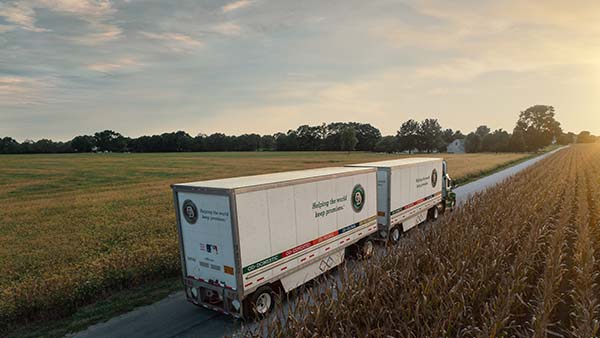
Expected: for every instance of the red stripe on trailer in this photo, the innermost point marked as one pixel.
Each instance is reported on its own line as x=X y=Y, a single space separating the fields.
x=284 y=268
x=260 y=279
x=247 y=285
x=303 y=259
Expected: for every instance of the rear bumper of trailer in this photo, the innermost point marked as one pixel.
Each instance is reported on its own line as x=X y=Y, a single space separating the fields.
x=213 y=297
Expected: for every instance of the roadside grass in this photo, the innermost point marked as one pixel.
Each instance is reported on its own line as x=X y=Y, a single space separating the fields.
x=115 y=304
x=79 y=227
x=475 y=175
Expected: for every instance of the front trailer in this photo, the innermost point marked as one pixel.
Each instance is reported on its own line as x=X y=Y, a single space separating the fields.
x=240 y=243
x=409 y=191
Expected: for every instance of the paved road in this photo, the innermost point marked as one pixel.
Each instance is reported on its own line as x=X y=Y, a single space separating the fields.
x=464 y=192
x=175 y=317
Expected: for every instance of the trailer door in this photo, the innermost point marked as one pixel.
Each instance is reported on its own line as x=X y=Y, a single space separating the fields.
x=207 y=238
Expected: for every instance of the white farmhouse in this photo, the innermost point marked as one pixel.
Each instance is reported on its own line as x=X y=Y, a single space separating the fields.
x=456 y=147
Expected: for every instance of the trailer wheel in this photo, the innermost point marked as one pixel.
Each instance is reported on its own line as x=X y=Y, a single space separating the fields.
x=367 y=248
x=261 y=302
x=434 y=213
x=395 y=234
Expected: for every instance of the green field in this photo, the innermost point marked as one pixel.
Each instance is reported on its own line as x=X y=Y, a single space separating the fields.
x=78 y=227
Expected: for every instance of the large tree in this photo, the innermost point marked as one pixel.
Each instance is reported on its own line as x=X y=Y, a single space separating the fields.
x=309 y=137
x=430 y=135
x=109 y=140
x=408 y=136
x=539 y=127
x=497 y=141
x=83 y=144
x=473 y=143
x=482 y=131
x=348 y=139
x=387 y=144
x=9 y=145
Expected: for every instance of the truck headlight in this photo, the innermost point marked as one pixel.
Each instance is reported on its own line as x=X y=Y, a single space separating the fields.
x=236 y=304
x=383 y=233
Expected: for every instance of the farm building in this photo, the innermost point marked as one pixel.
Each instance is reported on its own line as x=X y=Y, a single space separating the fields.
x=456 y=147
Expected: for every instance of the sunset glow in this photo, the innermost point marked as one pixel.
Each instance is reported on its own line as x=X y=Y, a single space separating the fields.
x=143 y=67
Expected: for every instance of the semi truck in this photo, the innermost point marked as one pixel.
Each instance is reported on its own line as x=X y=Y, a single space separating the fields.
x=244 y=239
x=409 y=191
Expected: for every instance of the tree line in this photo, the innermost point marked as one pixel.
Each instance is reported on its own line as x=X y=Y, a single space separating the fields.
x=535 y=129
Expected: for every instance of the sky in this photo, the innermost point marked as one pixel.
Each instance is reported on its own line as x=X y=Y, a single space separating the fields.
x=74 y=67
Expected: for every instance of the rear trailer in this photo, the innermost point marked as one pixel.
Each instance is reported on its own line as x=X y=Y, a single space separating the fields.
x=243 y=239
x=408 y=192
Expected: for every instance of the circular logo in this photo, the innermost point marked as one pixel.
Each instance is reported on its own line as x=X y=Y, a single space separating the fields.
x=358 y=198
x=434 y=178
x=190 y=212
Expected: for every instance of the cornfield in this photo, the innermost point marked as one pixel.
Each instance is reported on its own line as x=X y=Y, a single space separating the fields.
x=519 y=260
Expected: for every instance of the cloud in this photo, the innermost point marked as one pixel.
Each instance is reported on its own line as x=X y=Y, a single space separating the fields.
x=110 y=67
x=82 y=8
x=227 y=28
x=175 y=41
x=19 y=90
x=235 y=5
x=20 y=14
x=96 y=13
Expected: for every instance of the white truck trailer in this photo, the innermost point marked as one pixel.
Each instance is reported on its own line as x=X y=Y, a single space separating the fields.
x=243 y=239
x=408 y=192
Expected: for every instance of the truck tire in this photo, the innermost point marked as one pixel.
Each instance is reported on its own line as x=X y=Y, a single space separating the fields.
x=260 y=303
x=367 y=247
x=434 y=213
x=395 y=235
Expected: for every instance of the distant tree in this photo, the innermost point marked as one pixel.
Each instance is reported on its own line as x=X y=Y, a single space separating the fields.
x=566 y=138
x=348 y=139
x=430 y=135
x=473 y=143
x=44 y=146
x=287 y=142
x=408 y=136
x=517 y=142
x=8 y=145
x=217 y=142
x=176 y=142
x=482 y=131
x=387 y=144
x=539 y=127
x=586 y=137
x=498 y=141
x=83 y=144
x=458 y=135
x=309 y=138
x=200 y=142
x=247 y=142
x=448 y=136
x=109 y=140
x=332 y=138
x=367 y=136
x=267 y=142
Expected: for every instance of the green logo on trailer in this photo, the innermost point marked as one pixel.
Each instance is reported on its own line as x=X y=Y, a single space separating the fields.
x=434 y=178
x=358 y=198
x=190 y=212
